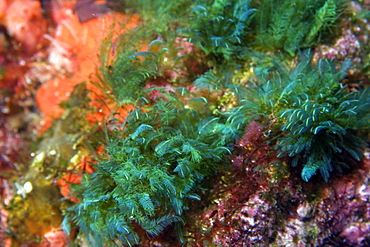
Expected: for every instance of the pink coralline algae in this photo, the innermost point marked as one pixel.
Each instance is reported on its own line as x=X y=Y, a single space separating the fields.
x=9 y=149
x=338 y=216
x=346 y=47
x=263 y=208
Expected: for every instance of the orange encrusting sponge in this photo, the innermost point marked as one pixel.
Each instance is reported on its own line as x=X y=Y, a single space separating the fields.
x=77 y=45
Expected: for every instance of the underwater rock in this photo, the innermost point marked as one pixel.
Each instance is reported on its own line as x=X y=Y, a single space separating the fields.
x=257 y=210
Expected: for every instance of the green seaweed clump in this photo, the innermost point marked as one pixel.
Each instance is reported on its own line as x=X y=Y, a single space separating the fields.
x=321 y=121
x=128 y=72
x=158 y=162
x=291 y=25
x=314 y=117
x=161 y=16
x=219 y=27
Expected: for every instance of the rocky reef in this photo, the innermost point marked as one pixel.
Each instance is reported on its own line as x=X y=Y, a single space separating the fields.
x=184 y=123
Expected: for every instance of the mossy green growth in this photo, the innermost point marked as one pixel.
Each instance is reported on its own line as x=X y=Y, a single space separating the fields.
x=290 y=25
x=315 y=119
x=162 y=16
x=152 y=168
x=321 y=120
x=127 y=73
x=219 y=27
